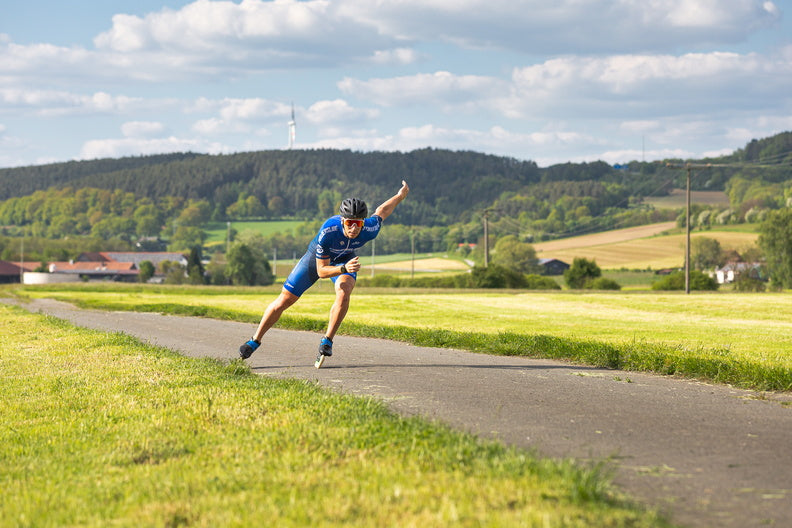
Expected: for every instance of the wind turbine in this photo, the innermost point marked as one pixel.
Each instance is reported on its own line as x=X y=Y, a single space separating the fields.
x=292 y=129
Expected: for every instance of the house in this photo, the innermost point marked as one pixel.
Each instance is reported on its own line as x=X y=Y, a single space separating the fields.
x=12 y=271
x=551 y=266
x=9 y=272
x=729 y=273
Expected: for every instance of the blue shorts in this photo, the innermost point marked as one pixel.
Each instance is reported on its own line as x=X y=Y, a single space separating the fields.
x=304 y=274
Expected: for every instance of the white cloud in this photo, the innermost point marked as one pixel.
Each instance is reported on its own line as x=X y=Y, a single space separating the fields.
x=253 y=109
x=441 y=87
x=624 y=85
x=57 y=103
x=115 y=148
x=565 y=26
x=395 y=56
x=142 y=129
x=217 y=39
x=338 y=111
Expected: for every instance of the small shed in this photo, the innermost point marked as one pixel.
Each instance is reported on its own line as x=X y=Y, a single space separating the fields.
x=551 y=266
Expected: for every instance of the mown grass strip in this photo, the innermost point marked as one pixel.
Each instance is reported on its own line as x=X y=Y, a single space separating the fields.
x=100 y=429
x=716 y=365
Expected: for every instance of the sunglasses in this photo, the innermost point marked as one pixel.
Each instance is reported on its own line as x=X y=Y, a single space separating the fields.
x=353 y=222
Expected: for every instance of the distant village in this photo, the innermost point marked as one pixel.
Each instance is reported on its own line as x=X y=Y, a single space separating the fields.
x=124 y=266
x=92 y=266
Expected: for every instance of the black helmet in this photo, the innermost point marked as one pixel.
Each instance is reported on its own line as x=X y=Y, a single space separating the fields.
x=353 y=208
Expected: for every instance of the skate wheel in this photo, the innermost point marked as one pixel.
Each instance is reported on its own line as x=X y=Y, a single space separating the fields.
x=319 y=361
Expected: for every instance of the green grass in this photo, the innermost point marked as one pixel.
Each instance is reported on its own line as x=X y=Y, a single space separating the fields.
x=102 y=430
x=739 y=339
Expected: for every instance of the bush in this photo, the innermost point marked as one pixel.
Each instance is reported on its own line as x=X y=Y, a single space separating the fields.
x=496 y=276
x=746 y=283
x=676 y=281
x=492 y=277
x=581 y=272
x=603 y=284
x=538 y=282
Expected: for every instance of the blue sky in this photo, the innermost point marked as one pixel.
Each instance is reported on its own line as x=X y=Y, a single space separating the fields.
x=568 y=80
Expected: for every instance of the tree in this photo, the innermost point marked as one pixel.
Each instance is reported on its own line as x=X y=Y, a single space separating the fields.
x=195 y=269
x=146 y=271
x=248 y=267
x=581 y=272
x=513 y=254
x=706 y=253
x=775 y=239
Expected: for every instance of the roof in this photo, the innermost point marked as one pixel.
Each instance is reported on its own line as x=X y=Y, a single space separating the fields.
x=8 y=268
x=94 y=268
x=155 y=257
x=543 y=261
x=739 y=266
x=28 y=265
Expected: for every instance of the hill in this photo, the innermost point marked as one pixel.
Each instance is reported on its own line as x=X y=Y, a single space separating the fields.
x=448 y=186
x=122 y=203
x=294 y=183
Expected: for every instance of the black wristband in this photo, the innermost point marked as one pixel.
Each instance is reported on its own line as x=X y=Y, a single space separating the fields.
x=343 y=269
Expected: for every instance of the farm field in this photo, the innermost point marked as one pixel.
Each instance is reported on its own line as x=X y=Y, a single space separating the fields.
x=677 y=199
x=643 y=247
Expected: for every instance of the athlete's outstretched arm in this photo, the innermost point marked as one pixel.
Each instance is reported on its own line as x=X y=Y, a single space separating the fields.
x=387 y=207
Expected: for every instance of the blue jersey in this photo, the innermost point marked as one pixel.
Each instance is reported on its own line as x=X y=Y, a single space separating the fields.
x=331 y=242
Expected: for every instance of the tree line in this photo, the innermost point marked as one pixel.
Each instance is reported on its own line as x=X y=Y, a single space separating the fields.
x=124 y=202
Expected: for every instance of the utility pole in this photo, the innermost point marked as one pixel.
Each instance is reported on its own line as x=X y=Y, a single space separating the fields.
x=22 y=258
x=687 y=232
x=373 y=244
x=412 y=253
x=486 y=238
x=689 y=167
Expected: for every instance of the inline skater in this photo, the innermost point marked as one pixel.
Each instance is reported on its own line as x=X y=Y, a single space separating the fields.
x=330 y=255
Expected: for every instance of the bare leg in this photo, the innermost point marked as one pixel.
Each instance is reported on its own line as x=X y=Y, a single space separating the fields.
x=273 y=312
x=343 y=288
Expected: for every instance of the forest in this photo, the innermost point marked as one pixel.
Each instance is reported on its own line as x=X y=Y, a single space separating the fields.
x=135 y=202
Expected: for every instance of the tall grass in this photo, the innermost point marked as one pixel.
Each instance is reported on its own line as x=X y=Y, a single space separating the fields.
x=102 y=430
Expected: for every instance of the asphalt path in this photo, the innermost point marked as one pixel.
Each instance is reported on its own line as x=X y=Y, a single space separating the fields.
x=705 y=455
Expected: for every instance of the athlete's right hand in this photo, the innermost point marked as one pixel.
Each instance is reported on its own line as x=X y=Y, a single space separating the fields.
x=353 y=265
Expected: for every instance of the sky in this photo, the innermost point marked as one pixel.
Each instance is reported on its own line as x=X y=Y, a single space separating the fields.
x=552 y=82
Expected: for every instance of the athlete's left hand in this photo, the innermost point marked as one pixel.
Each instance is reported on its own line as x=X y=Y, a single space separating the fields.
x=404 y=190
x=353 y=265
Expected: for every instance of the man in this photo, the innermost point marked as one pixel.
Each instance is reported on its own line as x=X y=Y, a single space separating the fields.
x=331 y=255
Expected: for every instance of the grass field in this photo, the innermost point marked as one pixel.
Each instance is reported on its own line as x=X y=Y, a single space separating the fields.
x=102 y=430
x=742 y=339
x=217 y=231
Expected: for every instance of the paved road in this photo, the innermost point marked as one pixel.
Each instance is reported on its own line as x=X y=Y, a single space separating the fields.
x=706 y=455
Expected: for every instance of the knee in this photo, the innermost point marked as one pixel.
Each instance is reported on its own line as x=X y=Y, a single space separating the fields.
x=343 y=295
x=283 y=302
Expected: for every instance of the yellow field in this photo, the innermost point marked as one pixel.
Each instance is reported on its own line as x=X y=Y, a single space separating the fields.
x=423 y=265
x=637 y=248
